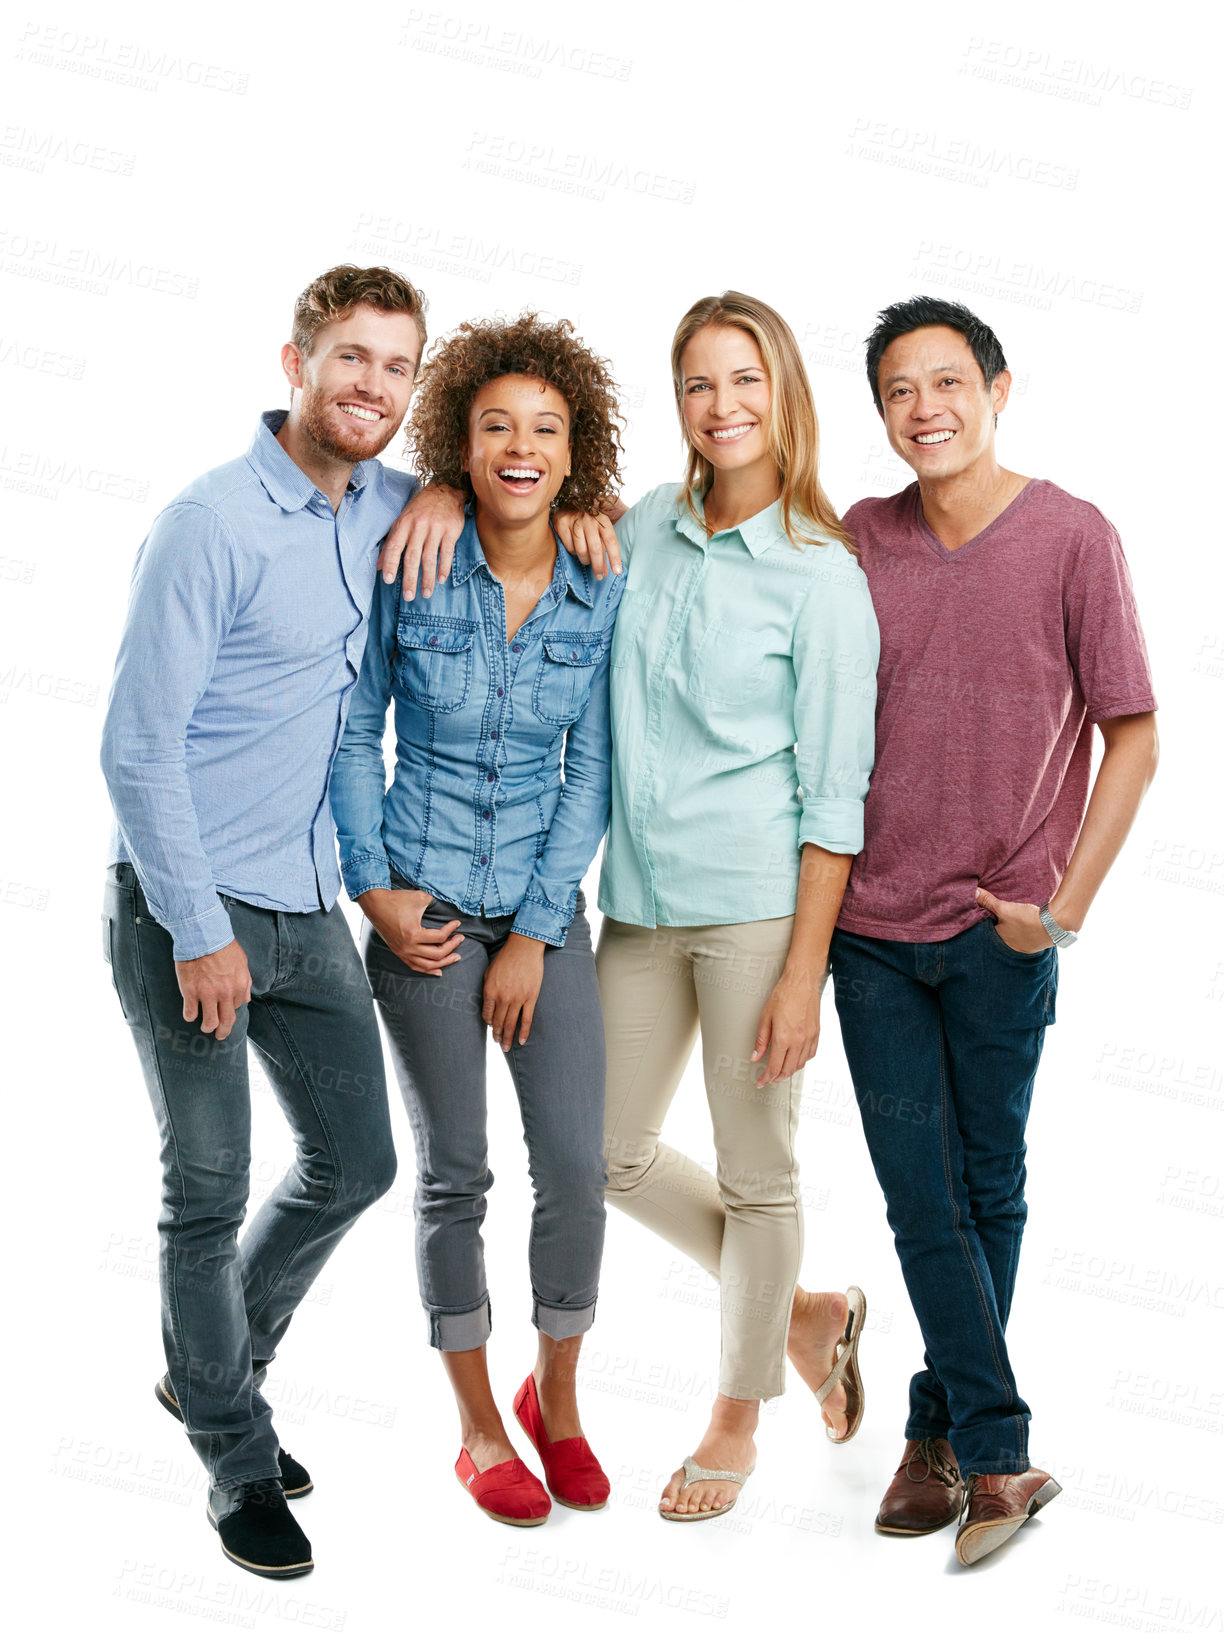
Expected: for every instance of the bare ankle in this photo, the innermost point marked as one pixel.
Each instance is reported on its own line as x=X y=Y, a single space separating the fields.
x=473 y=1430
x=802 y=1308
x=556 y=1377
x=816 y=1309
x=735 y=1417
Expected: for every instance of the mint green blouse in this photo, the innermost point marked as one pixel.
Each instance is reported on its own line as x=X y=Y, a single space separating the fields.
x=743 y=716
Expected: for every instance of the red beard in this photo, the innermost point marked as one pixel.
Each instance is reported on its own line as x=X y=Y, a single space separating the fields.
x=335 y=443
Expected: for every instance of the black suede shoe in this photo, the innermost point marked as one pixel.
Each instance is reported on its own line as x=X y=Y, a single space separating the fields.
x=294 y=1477
x=259 y=1533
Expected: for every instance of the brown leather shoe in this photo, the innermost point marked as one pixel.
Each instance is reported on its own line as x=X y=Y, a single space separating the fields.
x=925 y=1493
x=996 y=1506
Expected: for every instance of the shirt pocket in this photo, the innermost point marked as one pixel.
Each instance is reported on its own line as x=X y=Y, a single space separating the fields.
x=729 y=666
x=563 y=683
x=433 y=661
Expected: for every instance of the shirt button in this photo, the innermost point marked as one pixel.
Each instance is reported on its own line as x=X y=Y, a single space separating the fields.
x=516 y=647
x=490 y=777
x=492 y=734
x=486 y=815
x=501 y=691
x=483 y=861
x=433 y=640
x=573 y=654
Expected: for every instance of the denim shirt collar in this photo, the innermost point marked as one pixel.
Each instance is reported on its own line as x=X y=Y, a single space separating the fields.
x=287 y=483
x=575 y=577
x=758 y=532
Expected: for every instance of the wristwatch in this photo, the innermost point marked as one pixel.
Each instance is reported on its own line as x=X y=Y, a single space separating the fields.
x=1055 y=931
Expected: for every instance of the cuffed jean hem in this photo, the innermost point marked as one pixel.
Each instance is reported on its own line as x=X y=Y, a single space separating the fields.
x=555 y=1322
x=223 y=1500
x=989 y=1451
x=245 y=1480
x=461 y=1329
x=927 y=1431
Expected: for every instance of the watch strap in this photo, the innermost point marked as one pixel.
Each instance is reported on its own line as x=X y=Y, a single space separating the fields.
x=1055 y=931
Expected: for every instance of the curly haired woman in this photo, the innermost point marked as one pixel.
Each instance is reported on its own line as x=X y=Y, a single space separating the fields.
x=468 y=867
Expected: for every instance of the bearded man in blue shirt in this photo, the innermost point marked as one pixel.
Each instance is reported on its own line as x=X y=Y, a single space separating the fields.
x=244 y=638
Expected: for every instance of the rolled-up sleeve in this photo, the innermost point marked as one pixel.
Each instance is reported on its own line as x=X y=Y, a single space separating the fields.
x=185 y=592
x=359 y=776
x=836 y=654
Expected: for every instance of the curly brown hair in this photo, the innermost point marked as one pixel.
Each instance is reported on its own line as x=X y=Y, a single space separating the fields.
x=480 y=352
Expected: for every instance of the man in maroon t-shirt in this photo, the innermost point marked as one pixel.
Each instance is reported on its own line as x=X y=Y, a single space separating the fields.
x=1008 y=631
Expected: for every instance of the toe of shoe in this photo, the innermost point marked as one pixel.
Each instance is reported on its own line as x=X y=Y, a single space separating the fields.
x=274 y=1543
x=587 y=1494
x=518 y=1509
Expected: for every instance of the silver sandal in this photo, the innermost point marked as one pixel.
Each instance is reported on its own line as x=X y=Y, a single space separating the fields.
x=846 y=1368
x=693 y=1472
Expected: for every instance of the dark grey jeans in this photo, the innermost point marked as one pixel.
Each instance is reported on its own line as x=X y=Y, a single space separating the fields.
x=225 y=1303
x=438 y=1042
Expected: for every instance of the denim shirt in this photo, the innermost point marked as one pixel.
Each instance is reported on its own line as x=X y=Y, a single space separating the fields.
x=244 y=638
x=478 y=812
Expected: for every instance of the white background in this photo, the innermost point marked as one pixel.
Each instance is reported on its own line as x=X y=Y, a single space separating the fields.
x=172 y=178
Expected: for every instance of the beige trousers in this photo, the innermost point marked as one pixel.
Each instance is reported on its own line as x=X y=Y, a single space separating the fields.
x=745 y=1224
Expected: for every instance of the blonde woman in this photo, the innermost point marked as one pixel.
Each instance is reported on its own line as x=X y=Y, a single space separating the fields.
x=743 y=696
x=743 y=693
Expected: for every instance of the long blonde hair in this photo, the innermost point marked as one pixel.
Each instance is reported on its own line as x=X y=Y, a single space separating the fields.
x=792 y=432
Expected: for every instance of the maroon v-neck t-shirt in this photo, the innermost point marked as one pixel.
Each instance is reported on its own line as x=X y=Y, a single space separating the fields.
x=995 y=660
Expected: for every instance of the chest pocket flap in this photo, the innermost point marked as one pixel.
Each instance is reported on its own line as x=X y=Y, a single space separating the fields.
x=579 y=649
x=567 y=667
x=433 y=661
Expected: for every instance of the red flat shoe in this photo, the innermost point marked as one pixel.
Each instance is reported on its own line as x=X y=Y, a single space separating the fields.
x=508 y=1492
x=570 y=1466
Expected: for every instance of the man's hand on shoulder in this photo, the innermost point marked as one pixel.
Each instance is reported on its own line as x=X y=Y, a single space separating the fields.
x=592 y=539
x=214 y=987
x=422 y=539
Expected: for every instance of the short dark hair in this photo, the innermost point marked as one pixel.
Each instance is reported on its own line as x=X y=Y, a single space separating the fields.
x=925 y=312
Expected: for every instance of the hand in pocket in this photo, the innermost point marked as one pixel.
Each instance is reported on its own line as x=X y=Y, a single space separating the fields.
x=397 y=914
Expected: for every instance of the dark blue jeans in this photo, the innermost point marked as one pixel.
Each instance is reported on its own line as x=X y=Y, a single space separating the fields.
x=226 y=1303
x=943 y=1040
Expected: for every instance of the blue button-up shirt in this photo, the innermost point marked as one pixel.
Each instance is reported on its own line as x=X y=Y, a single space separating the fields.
x=478 y=812
x=244 y=638
x=743 y=714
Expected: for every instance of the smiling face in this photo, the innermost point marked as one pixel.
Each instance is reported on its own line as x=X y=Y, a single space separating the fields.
x=517 y=449
x=725 y=396
x=356 y=381
x=938 y=410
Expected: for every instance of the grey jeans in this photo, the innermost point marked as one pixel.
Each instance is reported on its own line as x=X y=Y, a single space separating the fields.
x=226 y=1303
x=439 y=1044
